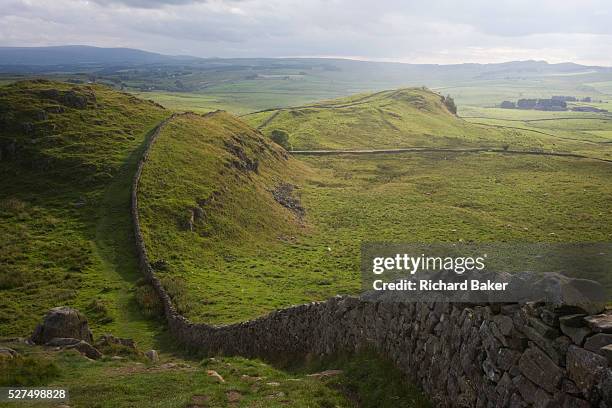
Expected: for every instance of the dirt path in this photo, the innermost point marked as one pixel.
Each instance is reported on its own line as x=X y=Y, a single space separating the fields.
x=441 y=149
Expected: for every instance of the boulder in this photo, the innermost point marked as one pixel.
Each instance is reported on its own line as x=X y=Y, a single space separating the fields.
x=607 y=353
x=577 y=334
x=565 y=293
x=152 y=356
x=112 y=345
x=585 y=368
x=540 y=369
x=601 y=323
x=74 y=99
x=7 y=353
x=62 y=342
x=86 y=349
x=597 y=342
x=109 y=339
x=62 y=322
x=526 y=388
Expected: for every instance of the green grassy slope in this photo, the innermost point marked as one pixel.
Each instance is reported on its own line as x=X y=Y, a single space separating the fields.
x=365 y=380
x=68 y=156
x=199 y=167
x=66 y=239
x=247 y=255
x=412 y=117
x=417 y=118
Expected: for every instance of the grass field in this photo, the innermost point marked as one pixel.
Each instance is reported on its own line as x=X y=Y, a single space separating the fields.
x=249 y=255
x=66 y=239
x=64 y=221
x=365 y=380
x=237 y=227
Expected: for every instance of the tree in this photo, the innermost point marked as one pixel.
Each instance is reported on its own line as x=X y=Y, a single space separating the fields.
x=280 y=137
x=450 y=104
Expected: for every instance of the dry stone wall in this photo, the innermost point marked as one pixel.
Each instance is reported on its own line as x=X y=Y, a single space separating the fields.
x=494 y=355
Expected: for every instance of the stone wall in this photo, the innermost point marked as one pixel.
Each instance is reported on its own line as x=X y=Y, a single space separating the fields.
x=461 y=355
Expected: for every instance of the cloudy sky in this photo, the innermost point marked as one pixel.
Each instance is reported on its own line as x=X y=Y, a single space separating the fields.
x=437 y=31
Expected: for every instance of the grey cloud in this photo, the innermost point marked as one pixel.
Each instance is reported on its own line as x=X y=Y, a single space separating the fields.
x=404 y=30
x=147 y=4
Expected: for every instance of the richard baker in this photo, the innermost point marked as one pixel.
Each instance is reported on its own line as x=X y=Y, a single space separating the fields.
x=430 y=285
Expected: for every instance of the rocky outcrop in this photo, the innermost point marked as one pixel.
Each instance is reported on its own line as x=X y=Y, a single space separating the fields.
x=63 y=322
x=461 y=355
x=7 y=353
x=284 y=195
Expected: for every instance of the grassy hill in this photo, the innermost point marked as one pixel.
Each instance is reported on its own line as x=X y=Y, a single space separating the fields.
x=208 y=200
x=236 y=227
x=246 y=254
x=390 y=119
x=417 y=117
x=67 y=157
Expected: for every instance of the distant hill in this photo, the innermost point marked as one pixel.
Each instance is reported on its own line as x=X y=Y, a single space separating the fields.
x=81 y=55
x=75 y=55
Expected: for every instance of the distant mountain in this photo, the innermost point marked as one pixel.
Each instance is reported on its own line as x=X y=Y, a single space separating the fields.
x=81 y=55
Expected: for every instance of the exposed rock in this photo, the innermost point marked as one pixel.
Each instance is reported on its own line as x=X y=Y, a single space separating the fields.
x=490 y=371
x=198 y=214
x=504 y=323
x=326 y=373
x=607 y=353
x=160 y=265
x=585 y=368
x=62 y=342
x=543 y=329
x=74 y=100
x=542 y=399
x=601 y=323
x=63 y=322
x=189 y=220
x=563 y=292
x=604 y=389
x=573 y=320
x=597 y=342
x=233 y=396
x=283 y=194
x=568 y=401
x=573 y=326
x=549 y=317
x=241 y=160
x=526 y=388
x=117 y=345
x=55 y=109
x=216 y=375
x=507 y=358
x=540 y=369
x=569 y=387
x=577 y=334
x=545 y=344
x=7 y=353
x=152 y=356
x=86 y=349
